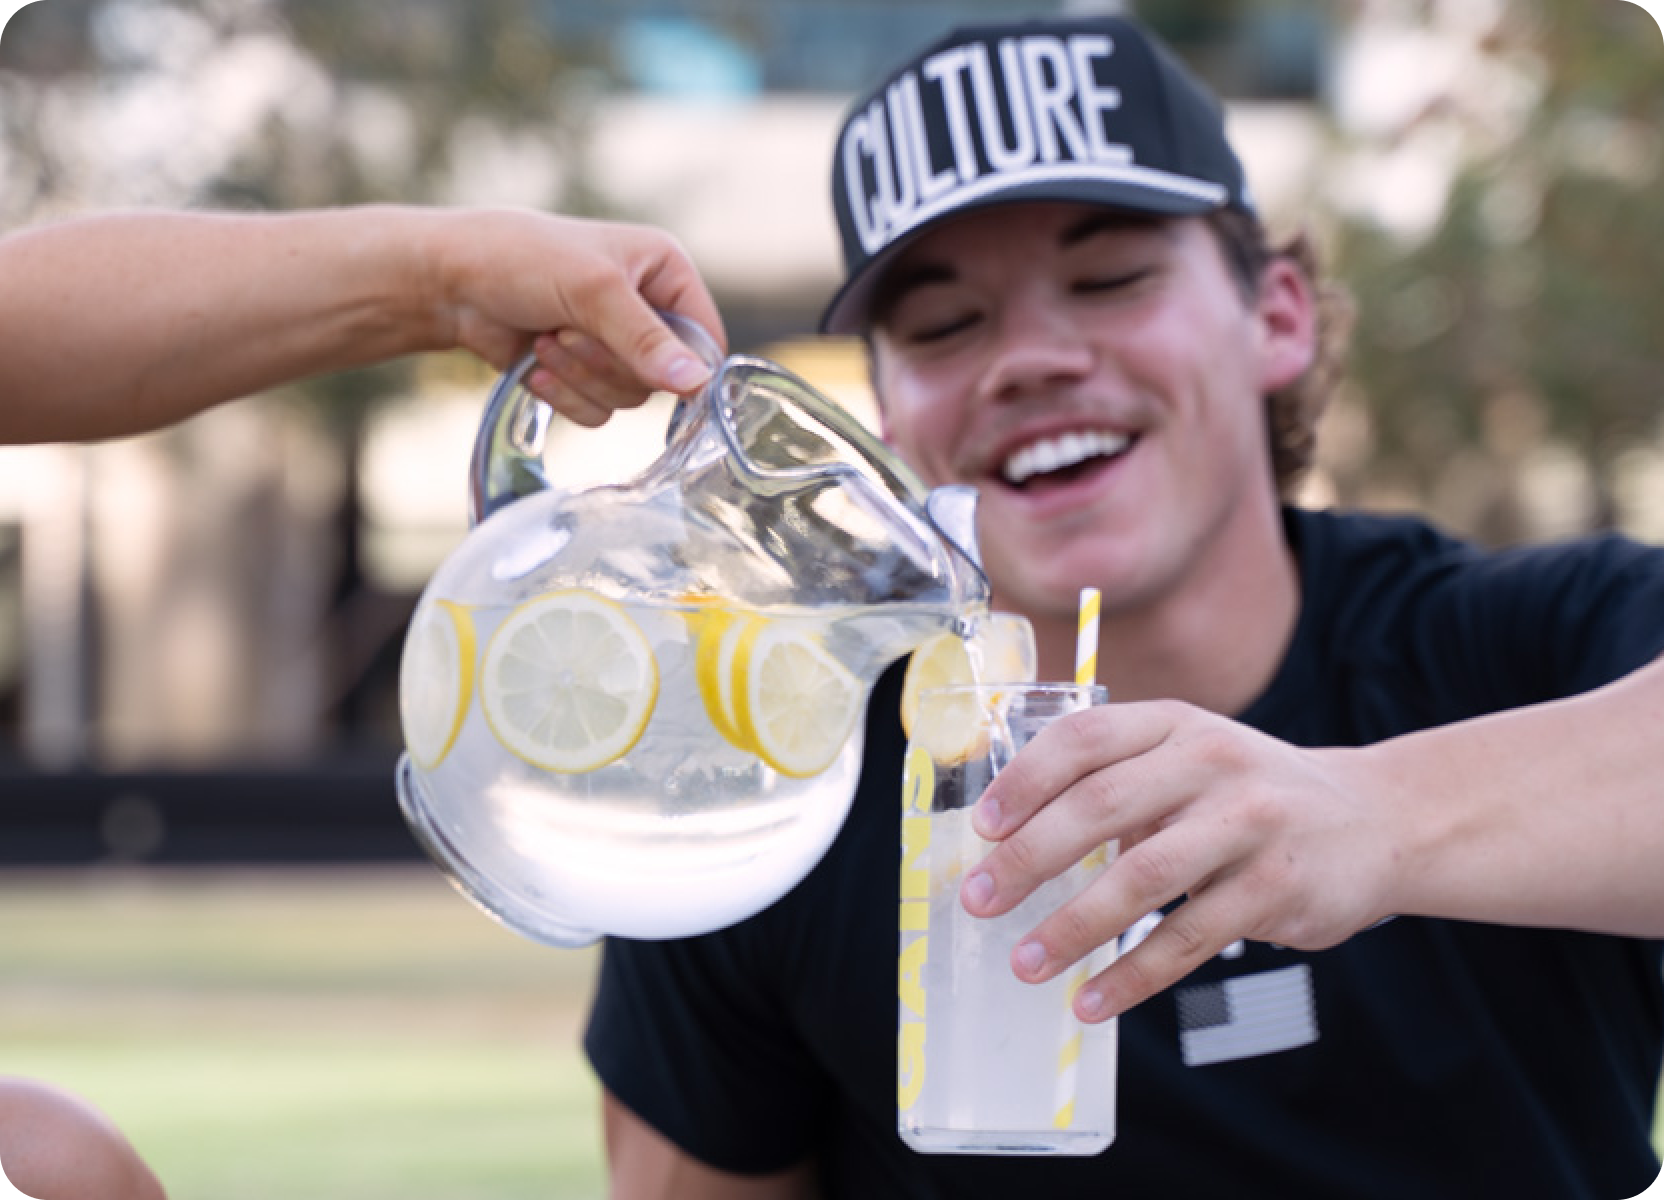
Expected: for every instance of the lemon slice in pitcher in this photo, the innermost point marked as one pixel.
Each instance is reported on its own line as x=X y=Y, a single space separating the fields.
x=568 y=682
x=436 y=678
x=794 y=703
x=718 y=633
x=1003 y=650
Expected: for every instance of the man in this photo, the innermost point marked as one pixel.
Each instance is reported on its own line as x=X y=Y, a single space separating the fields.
x=120 y=323
x=1398 y=785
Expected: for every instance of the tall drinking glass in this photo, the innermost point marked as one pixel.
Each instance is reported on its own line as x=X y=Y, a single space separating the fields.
x=986 y=1063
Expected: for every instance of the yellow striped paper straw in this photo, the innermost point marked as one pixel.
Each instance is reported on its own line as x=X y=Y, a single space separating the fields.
x=1068 y=1058
x=1086 y=638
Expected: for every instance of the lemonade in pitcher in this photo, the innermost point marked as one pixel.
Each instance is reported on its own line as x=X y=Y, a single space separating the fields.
x=706 y=754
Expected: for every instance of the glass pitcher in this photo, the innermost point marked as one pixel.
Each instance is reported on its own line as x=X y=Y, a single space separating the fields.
x=638 y=709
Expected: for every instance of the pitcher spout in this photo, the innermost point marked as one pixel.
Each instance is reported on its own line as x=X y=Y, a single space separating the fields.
x=952 y=510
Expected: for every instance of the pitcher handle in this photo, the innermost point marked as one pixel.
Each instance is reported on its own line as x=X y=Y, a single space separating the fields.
x=507 y=463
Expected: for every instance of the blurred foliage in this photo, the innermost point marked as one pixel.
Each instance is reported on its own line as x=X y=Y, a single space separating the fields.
x=372 y=103
x=1249 y=49
x=1521 y=324
x=1523 y=331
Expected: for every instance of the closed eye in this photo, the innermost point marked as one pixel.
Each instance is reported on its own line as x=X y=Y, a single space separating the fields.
x=937 y=331
x=1111 y=283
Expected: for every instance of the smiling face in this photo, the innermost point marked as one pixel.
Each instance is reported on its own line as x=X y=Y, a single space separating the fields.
x=1100 y=379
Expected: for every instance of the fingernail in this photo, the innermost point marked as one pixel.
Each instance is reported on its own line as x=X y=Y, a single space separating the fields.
x=987 y=817
x=1031 y=956
x=685 y=373
x=979 y=889
x=1090 y=1003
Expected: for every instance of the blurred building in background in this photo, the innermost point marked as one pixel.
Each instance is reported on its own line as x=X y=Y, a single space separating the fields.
x=233 y=592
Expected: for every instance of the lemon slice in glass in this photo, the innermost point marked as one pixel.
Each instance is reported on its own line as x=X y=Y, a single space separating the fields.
x=794 y=703
x=569 y=681
x=1003 y=647
x=953 y=727
x=436 y=679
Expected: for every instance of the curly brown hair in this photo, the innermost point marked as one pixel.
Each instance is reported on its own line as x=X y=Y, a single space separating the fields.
x=1291 y=413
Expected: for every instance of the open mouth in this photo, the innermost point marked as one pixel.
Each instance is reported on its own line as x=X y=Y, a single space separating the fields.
x=1055 y=461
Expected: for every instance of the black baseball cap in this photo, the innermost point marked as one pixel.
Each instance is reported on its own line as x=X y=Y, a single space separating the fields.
x=1092 y=110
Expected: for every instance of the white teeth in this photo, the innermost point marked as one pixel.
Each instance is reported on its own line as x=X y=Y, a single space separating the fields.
x=1053 y=454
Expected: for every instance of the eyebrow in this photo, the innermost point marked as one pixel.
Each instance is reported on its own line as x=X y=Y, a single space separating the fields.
x=1106 y=221
x=901 y=283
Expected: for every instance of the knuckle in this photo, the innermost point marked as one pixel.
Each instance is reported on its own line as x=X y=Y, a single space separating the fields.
x=1137 y=978
x=1219 y=747
x=1072 y=931
x=1106 y=795
x=1299 y=930
x=1075 y=735
x=1274 y=874
x=1175 y=714
x=590 y=280
x=1185 y=938
x=1263 y=811
x=1150 y=870
x=669 y=245
x=645 y=344
x=1021 y=855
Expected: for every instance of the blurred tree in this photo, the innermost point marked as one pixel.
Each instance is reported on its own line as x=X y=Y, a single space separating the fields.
x=1509 y=355
x=283 y=104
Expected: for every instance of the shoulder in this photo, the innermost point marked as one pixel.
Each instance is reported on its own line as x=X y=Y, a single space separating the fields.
x=1362 y=574
x=1365 y=559
x=1395 y=594
x=55 y=1144
x=1331 y=541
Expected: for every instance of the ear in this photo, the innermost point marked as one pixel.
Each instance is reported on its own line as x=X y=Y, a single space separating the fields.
x=1287 y=311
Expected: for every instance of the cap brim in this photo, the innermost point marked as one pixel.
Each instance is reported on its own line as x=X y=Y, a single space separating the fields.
x=847 y=312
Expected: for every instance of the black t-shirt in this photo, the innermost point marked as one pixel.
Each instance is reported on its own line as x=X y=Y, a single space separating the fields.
x=1420 y=1058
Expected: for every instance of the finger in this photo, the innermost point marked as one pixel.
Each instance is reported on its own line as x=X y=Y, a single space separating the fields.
x=1153 y=874
x=623 y=318
x=589 y=369
x=574 y=406
x=498 y=345
x=1193 y=933
x=1102 y=807
x=672 y=283
x=1105 y=804
x=1064 y=752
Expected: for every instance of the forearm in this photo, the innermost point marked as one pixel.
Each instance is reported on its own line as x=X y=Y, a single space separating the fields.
x=1551 y=815
x=122 y=323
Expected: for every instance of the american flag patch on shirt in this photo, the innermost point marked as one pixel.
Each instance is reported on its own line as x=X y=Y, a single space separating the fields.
x=1247 y=1016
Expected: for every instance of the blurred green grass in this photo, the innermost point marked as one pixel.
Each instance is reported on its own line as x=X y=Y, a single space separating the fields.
x=336 y=1034
x=328 y=1033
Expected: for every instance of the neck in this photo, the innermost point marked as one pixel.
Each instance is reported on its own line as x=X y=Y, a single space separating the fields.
x=1215 y=642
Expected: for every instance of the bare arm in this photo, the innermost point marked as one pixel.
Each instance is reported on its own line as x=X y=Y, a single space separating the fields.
x=116 y=324
x=645 y=1165
x=1549 y=816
